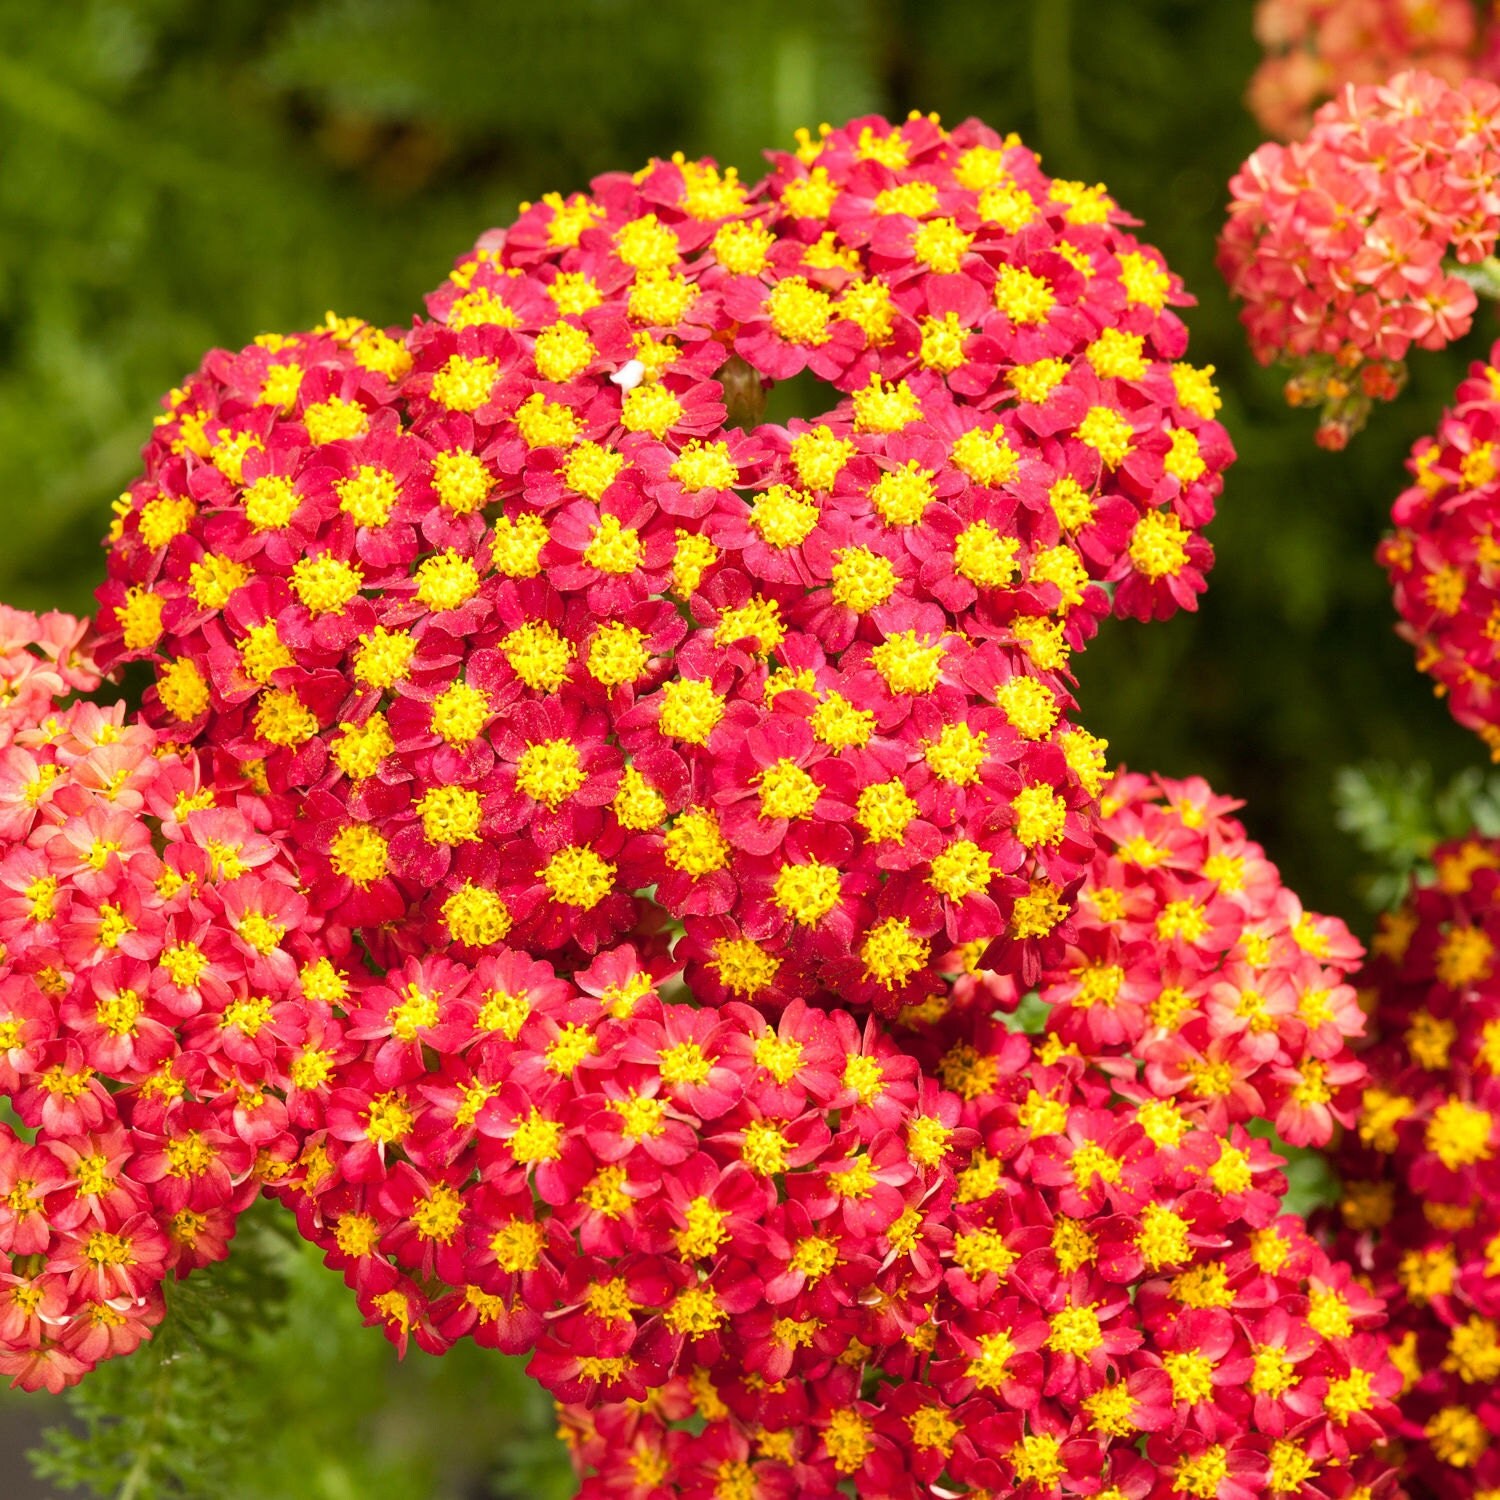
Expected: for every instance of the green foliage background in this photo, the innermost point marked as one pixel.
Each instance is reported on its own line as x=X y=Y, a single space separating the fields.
x=175 y=175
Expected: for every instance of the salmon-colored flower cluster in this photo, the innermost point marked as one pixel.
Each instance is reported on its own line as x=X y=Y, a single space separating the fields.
x=150 y=1007
x=1442 y=554
x=1315 y=47
x=44 y=659
x=1338 y=245
x=532 y=630
x=1421 y=1199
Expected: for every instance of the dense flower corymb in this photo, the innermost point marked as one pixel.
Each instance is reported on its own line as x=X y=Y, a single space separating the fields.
x=150 y=1009
x=1193 y=962
x=1440 y=558
x=531 y=629
x=1315 y=47
x=1421 y=1199
x=703 y=793
x=1338 y=244
x=784 y=1245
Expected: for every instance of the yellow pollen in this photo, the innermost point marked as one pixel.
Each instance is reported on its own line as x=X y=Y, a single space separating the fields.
x=538 y=655
x=464 y=384
x=450 y=814
x=807 y=892
x=617 y=654
x=764 y=1149
x=576 y=876
x=1040 y=815
x=862 y=580
x=892 y=953
x=359 y=853
x=332 y=420
x=690 y=710
x=786 y=791
x=325 y=584
x=1157 y=545
x=1109 y=434
x=909 y=663
x=694 y=844
x=368 y=496
x=819 y=456
x=550 y=772
x=879 y=407
x=986 y=456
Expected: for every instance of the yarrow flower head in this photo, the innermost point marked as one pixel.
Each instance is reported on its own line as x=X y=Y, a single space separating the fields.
x=1315 y=47
x=826 y=1249
x=151 y=1004
x=1440 y=556
x=1420 y=1208
x=706 y=794
x=1193 y=959
x=1339 y=244
x=526 y=620
x=43 y=660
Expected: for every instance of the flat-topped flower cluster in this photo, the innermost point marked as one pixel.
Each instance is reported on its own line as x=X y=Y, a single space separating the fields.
x=1421 y=1205
x=1339 y=245
x=529 y=629
x=583 y=845
x=152 y=1017
x=773 y=1252
x=1315 y=47
x=1441 y=555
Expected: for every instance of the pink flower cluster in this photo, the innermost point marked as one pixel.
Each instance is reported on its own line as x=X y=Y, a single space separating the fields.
x=150 y=1008
x=1421 y=1201
x=1442 y=553
x=784 y=1251
x=1315 y=47
x=1337 y=244
x=530 y=630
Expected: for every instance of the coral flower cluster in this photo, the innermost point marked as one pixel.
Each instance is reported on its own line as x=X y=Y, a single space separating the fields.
x=1315 y=47
x=774 y=1253
x=1339 y=244
x=43 y=661
x=532 y=629
x=150 y=1013
x=1421 y=1204
x=1441 y=556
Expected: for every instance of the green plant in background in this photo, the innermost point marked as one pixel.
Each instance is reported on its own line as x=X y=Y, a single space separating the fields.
x=1398 y=818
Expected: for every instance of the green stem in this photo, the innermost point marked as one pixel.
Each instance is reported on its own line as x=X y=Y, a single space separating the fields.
x=140 y=1470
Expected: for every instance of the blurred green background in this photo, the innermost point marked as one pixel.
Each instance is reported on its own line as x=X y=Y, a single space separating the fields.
x=175 y=175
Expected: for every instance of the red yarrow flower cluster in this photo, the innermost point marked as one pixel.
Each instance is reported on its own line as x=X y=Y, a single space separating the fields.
x=1339 y=244
x=687 y=797
x=1315 y=47
x=772 y=1257
x=1440 y=558
x=151 y=1015
x=1421 y=1197
x=531 y=629
x=1197 y=976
